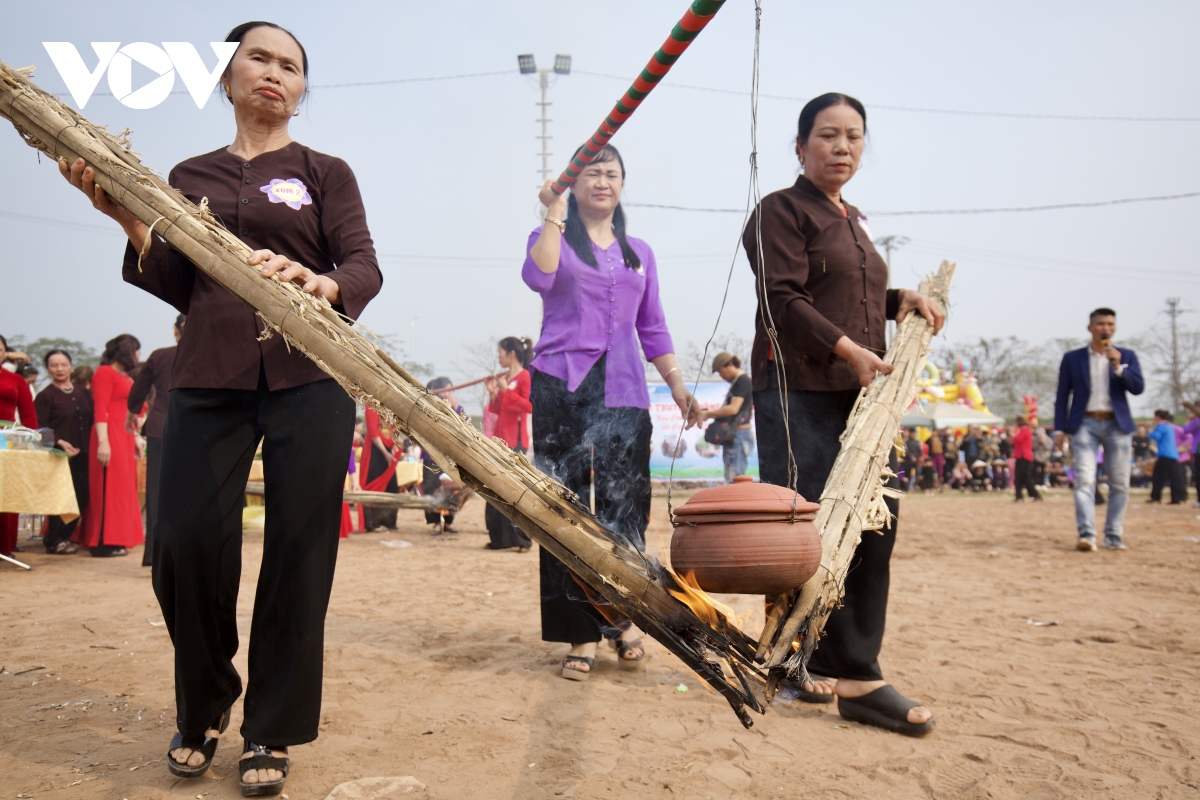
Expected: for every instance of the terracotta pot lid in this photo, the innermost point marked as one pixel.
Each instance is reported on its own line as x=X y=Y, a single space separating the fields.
x=745 y=496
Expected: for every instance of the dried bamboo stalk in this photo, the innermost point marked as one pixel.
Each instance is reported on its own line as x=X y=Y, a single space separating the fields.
x=853 y=498
x=637 y=585
x=365 y=498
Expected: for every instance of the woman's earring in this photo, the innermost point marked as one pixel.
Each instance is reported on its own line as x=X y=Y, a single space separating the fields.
x=296 y=113
x=228 y=93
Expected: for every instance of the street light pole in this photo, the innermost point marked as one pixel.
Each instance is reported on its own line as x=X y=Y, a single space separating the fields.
x=544 y=82
x=528 y=66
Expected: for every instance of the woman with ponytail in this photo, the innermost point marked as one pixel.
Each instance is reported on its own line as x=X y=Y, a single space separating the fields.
x=508 y=399
x=588 y=388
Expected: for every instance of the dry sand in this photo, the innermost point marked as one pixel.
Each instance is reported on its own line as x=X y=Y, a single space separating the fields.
x=435 y=668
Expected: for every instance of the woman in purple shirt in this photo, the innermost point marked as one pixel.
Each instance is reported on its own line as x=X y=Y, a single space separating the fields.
x=588 y=385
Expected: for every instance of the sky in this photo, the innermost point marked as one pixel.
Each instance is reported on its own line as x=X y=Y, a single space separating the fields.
x=448 y=169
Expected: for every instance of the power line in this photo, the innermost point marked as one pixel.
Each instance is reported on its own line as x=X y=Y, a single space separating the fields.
x=414 y=80
x=944 y=211
x=391 y=82
x=1043 y=264
x=60 y=222
x=917 y=109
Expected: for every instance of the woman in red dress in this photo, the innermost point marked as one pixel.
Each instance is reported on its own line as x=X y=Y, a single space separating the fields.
x=508 y=399
x=113 y=522
x=15 y=397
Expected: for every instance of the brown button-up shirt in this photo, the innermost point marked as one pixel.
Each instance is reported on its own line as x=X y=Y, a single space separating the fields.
x=295 y=201
x=154 y=374
x=68 y=414
x=823 y=279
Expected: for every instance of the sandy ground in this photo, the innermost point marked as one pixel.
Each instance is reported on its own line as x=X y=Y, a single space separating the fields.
x=435 y=669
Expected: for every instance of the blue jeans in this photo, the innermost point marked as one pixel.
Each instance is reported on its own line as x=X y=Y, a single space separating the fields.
x=1091 y=436
x=737 y=454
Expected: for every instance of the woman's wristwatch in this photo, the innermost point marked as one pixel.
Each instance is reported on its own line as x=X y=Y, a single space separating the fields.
x=558 y=223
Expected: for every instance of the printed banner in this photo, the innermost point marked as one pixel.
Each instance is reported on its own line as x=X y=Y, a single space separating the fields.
x=696 y=459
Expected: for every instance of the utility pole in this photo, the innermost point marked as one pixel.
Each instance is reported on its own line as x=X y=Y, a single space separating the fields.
x=528 y=66
x=1173 y=311
x=890 y=243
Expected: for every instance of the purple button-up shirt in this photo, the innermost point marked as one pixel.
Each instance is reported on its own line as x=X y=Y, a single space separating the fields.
x=589 y=312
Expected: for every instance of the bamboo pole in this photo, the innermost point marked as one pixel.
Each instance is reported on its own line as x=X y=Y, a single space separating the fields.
x=636 y=584
x=365 y=498
x=853 y=497
x=698 y=15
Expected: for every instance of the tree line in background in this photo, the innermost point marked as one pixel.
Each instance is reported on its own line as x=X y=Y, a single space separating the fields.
x=1008 y=368
x=81 y=354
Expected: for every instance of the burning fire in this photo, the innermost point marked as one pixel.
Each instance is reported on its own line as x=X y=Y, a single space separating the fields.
x=691 y=595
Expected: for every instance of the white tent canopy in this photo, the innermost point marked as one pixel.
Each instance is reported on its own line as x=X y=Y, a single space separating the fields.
x=947 y=415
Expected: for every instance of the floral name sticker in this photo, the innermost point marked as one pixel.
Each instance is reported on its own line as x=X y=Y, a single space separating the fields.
x=291 y=191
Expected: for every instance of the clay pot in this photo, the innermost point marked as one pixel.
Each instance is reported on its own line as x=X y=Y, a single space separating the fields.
x=745 y=538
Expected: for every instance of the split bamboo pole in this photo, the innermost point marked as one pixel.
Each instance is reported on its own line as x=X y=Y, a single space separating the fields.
x=635 y=584
x=853 y=499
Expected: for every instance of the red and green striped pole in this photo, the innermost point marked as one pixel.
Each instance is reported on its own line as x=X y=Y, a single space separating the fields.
x=688 y=28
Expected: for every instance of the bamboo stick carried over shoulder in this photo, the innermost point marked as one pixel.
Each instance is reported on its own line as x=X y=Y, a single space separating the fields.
x=853 y=499
x=635 y=584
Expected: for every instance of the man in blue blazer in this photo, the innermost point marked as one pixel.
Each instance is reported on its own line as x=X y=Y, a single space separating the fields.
x=1092 y=408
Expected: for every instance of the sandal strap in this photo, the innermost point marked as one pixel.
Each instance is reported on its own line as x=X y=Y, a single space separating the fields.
x=591 y=662
x=262 y=758
x=625 y=647
x=190 y=742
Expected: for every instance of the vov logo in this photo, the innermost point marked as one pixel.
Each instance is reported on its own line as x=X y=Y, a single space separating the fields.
x=172 y=57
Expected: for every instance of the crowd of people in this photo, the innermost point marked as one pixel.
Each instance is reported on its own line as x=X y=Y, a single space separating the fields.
x=579 y=399
x=993 y=459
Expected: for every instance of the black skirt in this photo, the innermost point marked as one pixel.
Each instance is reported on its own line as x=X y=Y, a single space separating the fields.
x=574 y=434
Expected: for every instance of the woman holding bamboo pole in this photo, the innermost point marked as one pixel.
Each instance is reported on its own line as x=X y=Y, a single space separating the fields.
x=232 y=387
x=823 y=288
x=588 y=388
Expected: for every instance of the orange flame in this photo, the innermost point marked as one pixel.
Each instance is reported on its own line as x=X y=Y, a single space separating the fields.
x=691 y=595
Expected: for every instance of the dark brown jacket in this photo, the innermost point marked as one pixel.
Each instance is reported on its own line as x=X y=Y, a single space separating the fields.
x=70 y=415
x=823 y=279
x=154 y=374
x=324 y=227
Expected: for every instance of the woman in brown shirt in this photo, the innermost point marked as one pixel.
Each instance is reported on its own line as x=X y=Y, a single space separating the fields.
x=229 y=391
x=823 y=288
x=66 y=409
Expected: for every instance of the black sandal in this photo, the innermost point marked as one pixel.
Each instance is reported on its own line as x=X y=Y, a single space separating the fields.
x=884 y=708
x=624 y=647
x=205 y=745
x=261 y=759
x=805 y=695
x=572 y=674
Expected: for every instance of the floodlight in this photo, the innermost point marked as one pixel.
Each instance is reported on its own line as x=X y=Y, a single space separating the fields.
x=528 y=66
x=562 y=65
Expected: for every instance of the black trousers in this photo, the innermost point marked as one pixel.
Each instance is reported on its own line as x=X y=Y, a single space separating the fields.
x=567 y=428
x=210 y=439
x=58 y=531
x=503 y=534
x=1168 y=470
x=153 y=482
x=374 y=517
x=854 y=633
x=1023 y=479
